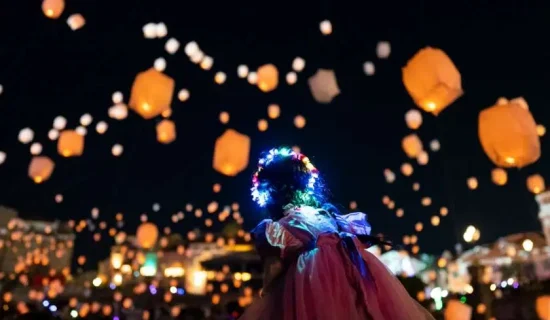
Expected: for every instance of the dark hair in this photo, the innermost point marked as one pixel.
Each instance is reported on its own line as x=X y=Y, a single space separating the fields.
x=286 y=179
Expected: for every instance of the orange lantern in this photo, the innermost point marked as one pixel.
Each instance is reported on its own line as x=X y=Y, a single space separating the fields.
x=146 y=235
x=412 y=145
x=70 y=144
x=166 y=131
x=53 y=8
x=543 y=307
x=499 y=176
x=152 y=93
x=508 y=135
x=41 y=168
x=432 y=80
x=231 y=153
x=535 y=183
x=455 y=310
x=268 y=77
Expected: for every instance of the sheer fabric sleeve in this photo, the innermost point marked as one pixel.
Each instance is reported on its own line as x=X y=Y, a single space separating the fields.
x=272 y=239
x=354 y=223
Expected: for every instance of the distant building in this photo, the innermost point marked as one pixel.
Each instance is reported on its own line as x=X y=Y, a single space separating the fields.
x=31 y=244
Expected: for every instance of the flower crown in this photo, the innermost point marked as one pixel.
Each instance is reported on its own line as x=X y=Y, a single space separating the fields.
x=261 y=193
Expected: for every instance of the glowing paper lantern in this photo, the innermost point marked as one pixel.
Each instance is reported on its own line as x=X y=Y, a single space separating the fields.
x=231 y=153
x=508 y=135
x=323 y=86
x=499 y=176
x=535 y=183
x=268 y=77
x=146 y=235
x=541 y=130
x=432 y=80
x=70 y=144
x=407 y=169
x=543 y=307
x=166 y=131
x=76 y=21
x=41 y=168
x=455 y=310
x=53 y=8
x=413 y=118
x=273 y=111
x=151 y=93
x=472 y=183
x=412 y=145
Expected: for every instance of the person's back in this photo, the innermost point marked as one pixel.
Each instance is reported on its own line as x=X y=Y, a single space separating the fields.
x=315 y=265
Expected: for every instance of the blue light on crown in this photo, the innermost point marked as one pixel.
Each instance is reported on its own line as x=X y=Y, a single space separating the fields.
x=260 y=192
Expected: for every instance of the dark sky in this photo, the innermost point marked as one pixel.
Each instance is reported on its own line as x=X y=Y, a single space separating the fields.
x=48 y=70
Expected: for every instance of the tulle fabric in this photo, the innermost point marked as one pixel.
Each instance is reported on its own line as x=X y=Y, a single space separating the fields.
x=323 y=280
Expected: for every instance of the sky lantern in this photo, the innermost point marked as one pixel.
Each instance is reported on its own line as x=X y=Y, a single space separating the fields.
x=432 y=80
x=543 y=307
x=499 y=176
x=231 y=153
x=146 y=235
x=456 y=310
x=407 y=169
x=508 y=135
x=472 y=183
x=152 y=93
x=535 y=183
x=76 y=21
x=70 y=144
x=166 y=131
x=41 y=168
x=53 y=8
x=413 y=119
x=412 y=145
x=323 y=86
x=273 y=111
x=268 y=77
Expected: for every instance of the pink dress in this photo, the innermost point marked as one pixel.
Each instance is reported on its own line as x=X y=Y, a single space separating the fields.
x=328 y=274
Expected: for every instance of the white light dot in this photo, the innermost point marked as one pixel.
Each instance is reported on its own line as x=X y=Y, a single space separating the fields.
x=1 y=89
x=156 y=207
x=220 y=77
x=298 y=64
x=161 y=30
x=149 y=31
x=252 y=77
x=242 y=71
x=101 y=127
x=36 y=149
x=172 y=45
x=196 y=57
x=291 y=77
x=191 y=48
x=117 y=150
x=59 y=123
x=117 y=97
x=207 y=62
x=118 y=111
x=383 y=49
x=58 y=198
x=435 y=145
x=160 y=64
x=368 y=68
x=26 y=135
x=81 y=130
x=183 y=95
x=86 y=119
x=53 y=134
x=326 y=27
x=3 y=156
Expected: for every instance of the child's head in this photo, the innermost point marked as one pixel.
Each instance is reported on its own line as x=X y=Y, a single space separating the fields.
x=286 y=177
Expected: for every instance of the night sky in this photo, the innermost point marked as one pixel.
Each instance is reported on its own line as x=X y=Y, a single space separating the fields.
x=47 y=70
